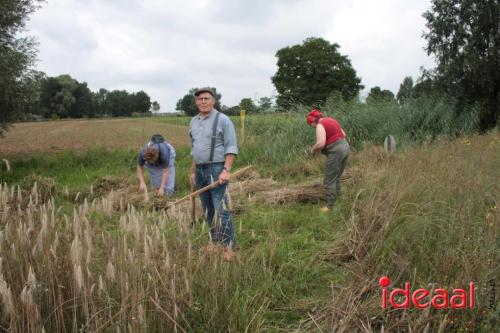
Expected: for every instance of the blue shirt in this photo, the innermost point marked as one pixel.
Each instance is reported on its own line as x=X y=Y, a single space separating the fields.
x=163 y=160
x=200 y=131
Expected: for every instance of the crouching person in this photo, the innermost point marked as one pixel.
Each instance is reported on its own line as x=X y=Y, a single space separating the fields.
x=159 y=158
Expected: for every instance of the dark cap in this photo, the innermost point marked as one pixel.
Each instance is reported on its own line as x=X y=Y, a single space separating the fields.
x=205 y=89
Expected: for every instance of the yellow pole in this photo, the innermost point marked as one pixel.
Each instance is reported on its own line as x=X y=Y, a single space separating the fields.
x=242 y=126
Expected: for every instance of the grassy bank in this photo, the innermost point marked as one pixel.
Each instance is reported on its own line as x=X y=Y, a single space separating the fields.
x=427 y=214
x=431 y=217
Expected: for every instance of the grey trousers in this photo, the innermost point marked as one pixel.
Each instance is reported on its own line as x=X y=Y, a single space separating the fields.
x=336 y=159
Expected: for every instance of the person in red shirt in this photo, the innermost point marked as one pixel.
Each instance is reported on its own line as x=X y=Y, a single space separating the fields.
x=331 y=141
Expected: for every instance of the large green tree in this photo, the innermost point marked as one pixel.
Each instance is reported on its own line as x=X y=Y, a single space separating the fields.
x=141 y=102
x=310 y=72
x=405 y=90
x=119 y=103
x=101 y=101
x=17 y=55
x=187 y=103
x=377 y=95
x=265 y=104
x=231 y=110
x=85 y=103
x=248 y=105
x=464 y=37
x=56 y=97
x=155 y=106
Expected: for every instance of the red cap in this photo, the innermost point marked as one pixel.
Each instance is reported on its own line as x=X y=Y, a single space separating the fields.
x=313 y=115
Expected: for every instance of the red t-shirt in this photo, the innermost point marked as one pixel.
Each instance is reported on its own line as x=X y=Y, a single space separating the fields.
x=333 y=130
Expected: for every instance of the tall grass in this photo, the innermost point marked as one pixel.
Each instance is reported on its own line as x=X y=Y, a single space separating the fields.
x=99 y=270
x=279 y=144
x=273 y=141
x=416 y=121
x=430 y=217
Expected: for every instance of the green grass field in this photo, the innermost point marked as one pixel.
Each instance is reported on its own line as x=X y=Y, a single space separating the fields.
x=429 y=214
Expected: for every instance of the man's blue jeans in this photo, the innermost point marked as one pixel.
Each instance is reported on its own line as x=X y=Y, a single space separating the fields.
x=215 y=204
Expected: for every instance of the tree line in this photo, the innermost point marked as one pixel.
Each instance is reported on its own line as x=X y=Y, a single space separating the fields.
x=187 y=104
x=65 y=97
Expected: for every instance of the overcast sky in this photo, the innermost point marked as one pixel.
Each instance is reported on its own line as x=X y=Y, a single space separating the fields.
x=167 y=47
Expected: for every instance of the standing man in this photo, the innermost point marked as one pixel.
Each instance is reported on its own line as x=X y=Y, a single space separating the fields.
x=214 y=149
x=159 y=158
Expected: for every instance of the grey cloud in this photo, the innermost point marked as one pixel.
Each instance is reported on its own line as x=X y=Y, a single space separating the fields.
x=165 y=48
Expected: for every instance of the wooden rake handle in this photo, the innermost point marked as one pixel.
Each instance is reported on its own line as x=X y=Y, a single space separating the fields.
x=209 y=187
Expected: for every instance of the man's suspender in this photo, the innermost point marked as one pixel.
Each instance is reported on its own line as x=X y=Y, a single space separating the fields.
x=214 y=136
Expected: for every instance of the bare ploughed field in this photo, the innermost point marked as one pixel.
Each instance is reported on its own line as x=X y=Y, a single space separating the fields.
x=56 y=136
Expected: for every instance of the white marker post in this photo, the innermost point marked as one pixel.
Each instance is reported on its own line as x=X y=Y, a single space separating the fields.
x=390 y=144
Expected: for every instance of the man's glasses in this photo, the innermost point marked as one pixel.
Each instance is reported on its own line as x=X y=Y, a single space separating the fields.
x=203 y=99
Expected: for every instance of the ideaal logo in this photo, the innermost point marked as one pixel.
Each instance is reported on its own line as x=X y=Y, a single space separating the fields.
x=423 y=298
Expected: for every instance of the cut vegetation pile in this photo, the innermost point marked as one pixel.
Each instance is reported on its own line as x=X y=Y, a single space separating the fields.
x=244 y=191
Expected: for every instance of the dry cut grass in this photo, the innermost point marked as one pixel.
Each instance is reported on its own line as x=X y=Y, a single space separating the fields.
x=243 y=193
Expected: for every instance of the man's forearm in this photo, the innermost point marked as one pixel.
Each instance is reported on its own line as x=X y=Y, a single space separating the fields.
x=228 y=163
x=140 y=173
x=164 y=178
